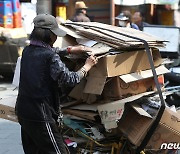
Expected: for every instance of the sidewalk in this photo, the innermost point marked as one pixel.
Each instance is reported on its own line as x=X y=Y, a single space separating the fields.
x=10 y=141
x=10 y=137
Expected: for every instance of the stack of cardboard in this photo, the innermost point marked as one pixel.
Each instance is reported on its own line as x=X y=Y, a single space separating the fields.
x=119 y=73
x=123 y=75
x=118 y=37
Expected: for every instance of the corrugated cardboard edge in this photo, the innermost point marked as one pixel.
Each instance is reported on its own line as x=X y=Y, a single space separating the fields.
x=143 y=74
x=8 y=113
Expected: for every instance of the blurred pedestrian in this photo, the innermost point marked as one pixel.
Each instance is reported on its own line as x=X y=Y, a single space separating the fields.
x=124 y=20
x=138 y=19
x=42 y=71
x=80 y=12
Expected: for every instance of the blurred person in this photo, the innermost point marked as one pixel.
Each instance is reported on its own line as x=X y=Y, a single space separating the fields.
x=80 y=12
x=124 y=20
x=42 y=73
x=138 y=18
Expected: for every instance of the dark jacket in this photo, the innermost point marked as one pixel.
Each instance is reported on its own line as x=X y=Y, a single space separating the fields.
x=41 y=68
x=141 y=26
x=134 y=26
x=80 y=17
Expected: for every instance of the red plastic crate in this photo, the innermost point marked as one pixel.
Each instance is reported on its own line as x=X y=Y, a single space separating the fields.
x=17 y=22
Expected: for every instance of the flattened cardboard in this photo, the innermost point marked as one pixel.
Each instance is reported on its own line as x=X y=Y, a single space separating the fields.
x=143 y=74
x=7 y=109
x=86 y=107
x=123 y=30
x=71 y=32
x=124 y=63
x=82 y=114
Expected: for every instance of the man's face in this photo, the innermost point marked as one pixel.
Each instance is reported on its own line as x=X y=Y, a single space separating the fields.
x=137 y=18
x=123 y=23
x=84 y=11
x=53 y=39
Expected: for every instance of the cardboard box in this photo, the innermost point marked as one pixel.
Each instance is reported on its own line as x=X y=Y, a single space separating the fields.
x=124 y=63
x=168 y=130
x=116 y=88
x=136 y=122
x=111 y=112
x=95 y=85
x=7 y=109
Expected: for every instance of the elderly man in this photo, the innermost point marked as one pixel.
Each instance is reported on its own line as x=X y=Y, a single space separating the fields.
x=138 y=20
x=81 y=12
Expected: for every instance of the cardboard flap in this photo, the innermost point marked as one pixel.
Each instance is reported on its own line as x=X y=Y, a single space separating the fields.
x=77 y=91
x=140 y=111
x=95 y=85
x=111 y=111
x=143 y=74
x=82 y=114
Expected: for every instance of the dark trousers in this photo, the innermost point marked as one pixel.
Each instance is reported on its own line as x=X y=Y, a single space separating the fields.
x=41 y=138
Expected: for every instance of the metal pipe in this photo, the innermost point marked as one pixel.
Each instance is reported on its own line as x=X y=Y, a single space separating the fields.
x=112 y=12
x=44 y=6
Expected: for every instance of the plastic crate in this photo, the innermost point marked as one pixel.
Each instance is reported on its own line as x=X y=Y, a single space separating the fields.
x=17 y=22
x=5 y=8
x=15 y=6
x=6 y=16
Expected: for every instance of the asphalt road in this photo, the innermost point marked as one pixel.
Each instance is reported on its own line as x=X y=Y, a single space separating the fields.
x=10 y=138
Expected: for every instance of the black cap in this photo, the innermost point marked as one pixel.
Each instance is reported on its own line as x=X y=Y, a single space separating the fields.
x=48 y=21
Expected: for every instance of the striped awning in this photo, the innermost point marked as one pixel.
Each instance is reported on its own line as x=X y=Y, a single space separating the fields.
x=139 y=2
